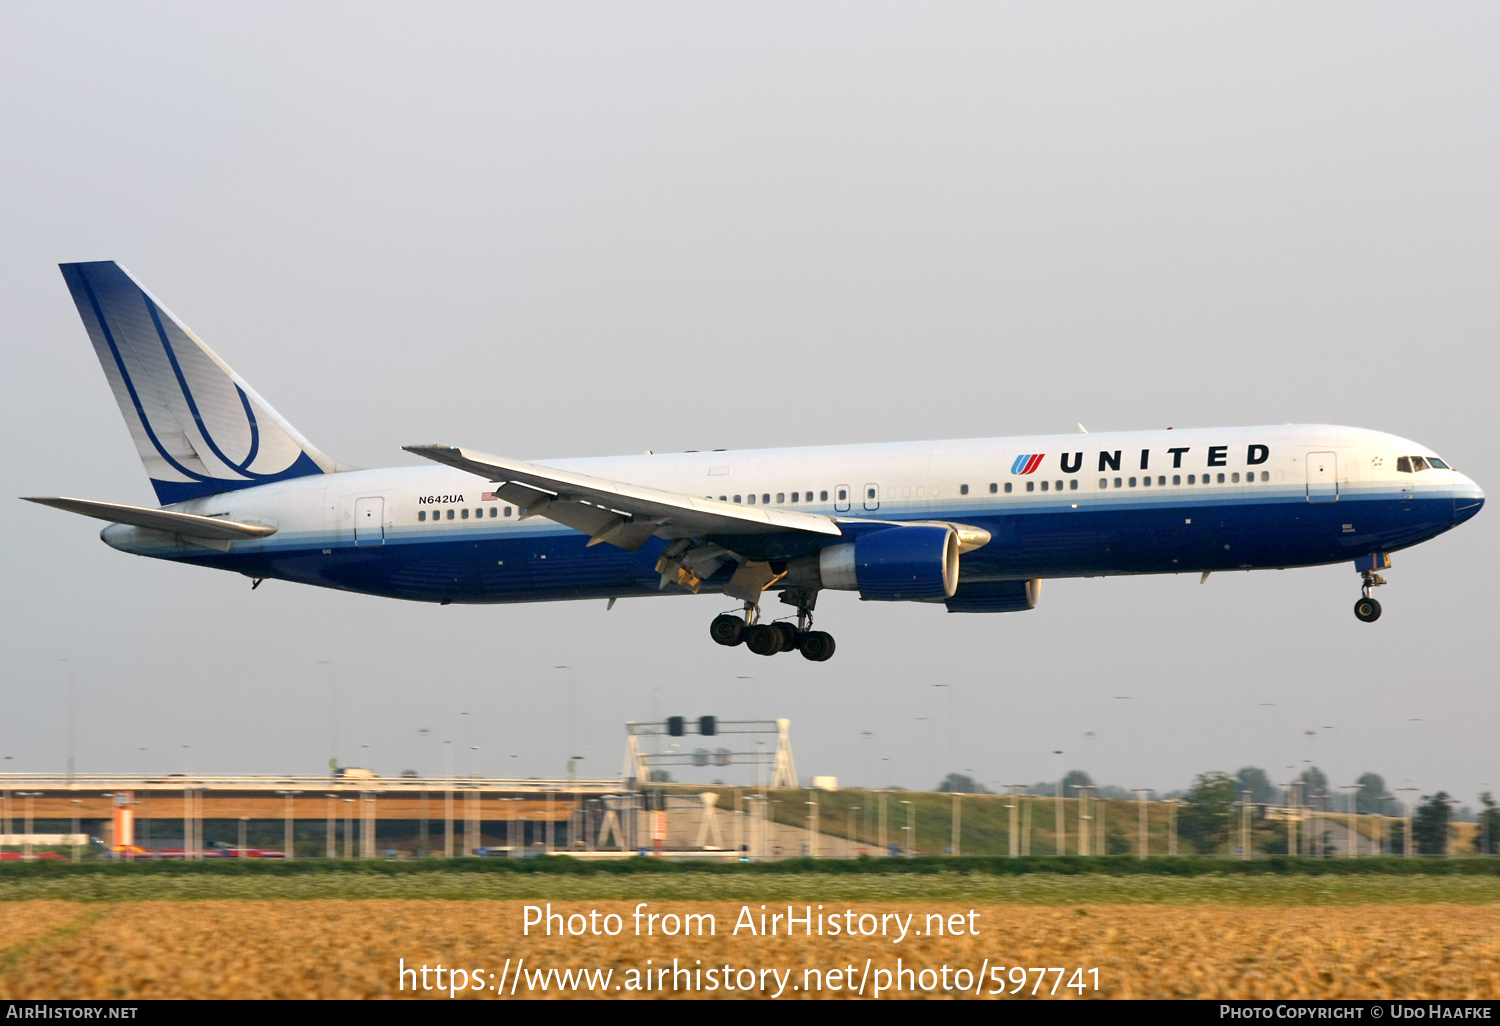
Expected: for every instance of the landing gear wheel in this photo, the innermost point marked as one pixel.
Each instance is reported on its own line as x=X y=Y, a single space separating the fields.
x=763 y=639
x=817 y=646
x=727 y=630
x=788 y=635
x=1367 y=609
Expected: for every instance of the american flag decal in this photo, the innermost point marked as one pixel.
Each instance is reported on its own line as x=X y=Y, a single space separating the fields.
x=489 y=497
x=1027 y=463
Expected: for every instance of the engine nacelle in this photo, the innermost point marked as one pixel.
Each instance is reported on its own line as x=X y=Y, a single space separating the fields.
x=916 y=563
x=995 y=596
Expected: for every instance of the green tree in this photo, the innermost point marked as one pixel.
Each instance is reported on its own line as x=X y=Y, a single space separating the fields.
x=1204 y=821
x=1487 y=837
x=1430 y=827
x=1073 y=780
x=962 y=784
x=1373 y=799
x=1254 y=780
x=1314 y=783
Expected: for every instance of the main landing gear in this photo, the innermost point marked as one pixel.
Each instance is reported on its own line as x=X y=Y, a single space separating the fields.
x=1367 y=609
x=777 y=636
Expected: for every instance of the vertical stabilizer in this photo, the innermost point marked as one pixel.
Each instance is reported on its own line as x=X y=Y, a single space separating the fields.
x=198 y=427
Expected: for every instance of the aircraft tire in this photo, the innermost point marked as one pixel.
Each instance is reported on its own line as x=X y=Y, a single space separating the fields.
x=788 y=635
x=763 y=639
x=727 y=630
x=817 y=646
x=1367 y=609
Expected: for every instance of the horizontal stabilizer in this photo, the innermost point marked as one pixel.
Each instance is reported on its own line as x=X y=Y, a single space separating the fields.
x=616 y=512
x=189 y=525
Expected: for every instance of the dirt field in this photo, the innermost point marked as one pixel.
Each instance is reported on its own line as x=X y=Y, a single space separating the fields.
x=335 y=948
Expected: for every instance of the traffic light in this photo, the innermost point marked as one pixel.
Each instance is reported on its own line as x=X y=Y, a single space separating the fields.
x=675 y=726
x=707 y=726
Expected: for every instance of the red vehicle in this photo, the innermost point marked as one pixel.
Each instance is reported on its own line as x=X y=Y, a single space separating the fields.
x=20 y=856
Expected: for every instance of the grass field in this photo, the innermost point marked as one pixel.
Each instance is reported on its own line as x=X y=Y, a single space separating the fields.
x=348 y=949
x=339 y=929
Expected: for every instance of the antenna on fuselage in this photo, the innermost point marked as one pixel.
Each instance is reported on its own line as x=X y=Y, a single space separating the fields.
x=1082 y=430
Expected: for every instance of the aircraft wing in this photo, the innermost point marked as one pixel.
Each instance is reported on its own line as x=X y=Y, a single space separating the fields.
x=189 y=525
x=622 y=514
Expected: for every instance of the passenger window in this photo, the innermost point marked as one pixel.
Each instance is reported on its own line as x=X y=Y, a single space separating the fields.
x=507 y=509
x=450 y=514
x=794 y=496
x=421 y=515
x=869 y=493
x=822 y=496
x=1235 y=477
x=1146 y=481
x=737 y=498
x=1059 y=486
x=1132 y=482
x=1007 y=488
x=1177 y=479
x=1104 y=482
x=843 y=495
x=1161 y=480
x=463 y=514
x=1031 y=486
x=963 y=489
x=1044 y=486
x=1221 y=479
x=1073 y=484
x=1117 y=482
x=994 y=488
x=751 y=498
x=766 y=499
x=1265 y=475
x=780 y=498
x=1418 y=464
x=494 y=512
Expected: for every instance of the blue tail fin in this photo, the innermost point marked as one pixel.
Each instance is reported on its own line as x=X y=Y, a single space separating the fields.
x=200 y=430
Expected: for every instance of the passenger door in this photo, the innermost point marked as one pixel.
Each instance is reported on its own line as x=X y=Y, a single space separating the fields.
x=872 y=497
x=1322 y=477
x=369 y=522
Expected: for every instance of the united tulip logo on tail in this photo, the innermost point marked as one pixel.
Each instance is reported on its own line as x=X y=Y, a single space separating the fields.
x=1027 y=463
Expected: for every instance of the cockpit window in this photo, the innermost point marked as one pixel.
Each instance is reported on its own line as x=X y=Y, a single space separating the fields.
x=1418 y=463
x=1437 y=464
x=1403 y=464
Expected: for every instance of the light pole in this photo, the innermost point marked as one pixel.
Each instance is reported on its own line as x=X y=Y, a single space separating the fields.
x=928 y=731
x=952 y=727
x=1134 y=739
x=1060 y=825
x=572 y=701
x=28 y=795
x=1291 y=818
x=1275 y=732
x=869 y=737
x=849 y=833
x=366 y=758
x=474 y=762
x=1142 y=793
x=288 y=836
x=1408 y=843
x=69 y=664
x=911 y=827
x=75 y=802
x=333 y=715
x=1353 y=790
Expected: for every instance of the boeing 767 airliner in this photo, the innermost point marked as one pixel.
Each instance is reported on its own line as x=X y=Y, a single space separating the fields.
x=975 y=525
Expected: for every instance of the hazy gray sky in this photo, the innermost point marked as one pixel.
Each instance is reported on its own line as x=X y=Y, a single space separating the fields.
x=553 y=230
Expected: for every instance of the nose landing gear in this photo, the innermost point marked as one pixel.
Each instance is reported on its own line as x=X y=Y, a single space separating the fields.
x=778 y=636
x=1367 y=608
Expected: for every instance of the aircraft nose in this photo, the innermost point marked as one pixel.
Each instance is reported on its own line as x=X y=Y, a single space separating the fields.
x=1468 y=499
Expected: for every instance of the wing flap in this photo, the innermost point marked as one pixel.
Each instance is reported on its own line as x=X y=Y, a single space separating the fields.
x=617 y=512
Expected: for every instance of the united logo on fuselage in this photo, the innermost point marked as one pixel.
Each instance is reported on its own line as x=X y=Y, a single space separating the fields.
x=1027 y=463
